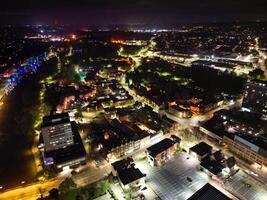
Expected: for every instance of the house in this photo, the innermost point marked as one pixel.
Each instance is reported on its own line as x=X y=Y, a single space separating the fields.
x=200 y=150
x=129 y=176
x=159 y=153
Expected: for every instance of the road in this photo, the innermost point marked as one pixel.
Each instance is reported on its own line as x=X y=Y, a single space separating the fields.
x=88 y=175
x=167 y=182
x=237 y=185
x=30 y=192
x=92 y=175
x=196 y=119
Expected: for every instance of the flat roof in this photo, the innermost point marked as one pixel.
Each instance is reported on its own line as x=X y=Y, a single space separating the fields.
x=208 y=192
x=209 y=63
x=129 y=175
x=70 y=153
x=161 y=146
x=201 y=149
x=216 y=126
x=55 y=119
x=122 y=164
x=212 y=166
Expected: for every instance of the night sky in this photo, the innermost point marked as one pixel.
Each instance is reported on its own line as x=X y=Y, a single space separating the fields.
x=153 y=12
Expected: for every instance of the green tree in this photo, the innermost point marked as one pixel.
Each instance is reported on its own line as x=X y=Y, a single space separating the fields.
x=53 y=194
x=257 y=74
x=67 y=185
x=47 y=173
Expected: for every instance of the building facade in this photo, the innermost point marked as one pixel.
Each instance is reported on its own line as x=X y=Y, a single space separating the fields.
x=162 y=151
x=255 y=97
x=247 y=150
x=63 y=146
x=57 y=132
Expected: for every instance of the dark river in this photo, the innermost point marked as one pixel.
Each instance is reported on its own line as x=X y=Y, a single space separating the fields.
x=17 y=117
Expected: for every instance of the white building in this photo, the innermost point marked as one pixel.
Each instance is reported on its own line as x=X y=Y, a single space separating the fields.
x=57 y=132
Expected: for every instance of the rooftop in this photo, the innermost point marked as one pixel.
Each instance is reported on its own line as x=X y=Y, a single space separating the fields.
x=201 y=149
x=212 y=166
x=55 y=119
x=73 y=152
x=208 y=192
x=238 y=123
x=129 y=175
x=114 y=134
x=161 y=146
x=122 y=164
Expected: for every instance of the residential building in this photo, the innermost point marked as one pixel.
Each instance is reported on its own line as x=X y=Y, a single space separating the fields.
x=118 y=139
x=162 y=151
x=255 y=97
x=200 y=151
x=129 y=176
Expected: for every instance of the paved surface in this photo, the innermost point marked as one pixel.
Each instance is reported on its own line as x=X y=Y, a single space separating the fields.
x=170 y=181
x=31 y=192
x=92 y=175
x=238 y=186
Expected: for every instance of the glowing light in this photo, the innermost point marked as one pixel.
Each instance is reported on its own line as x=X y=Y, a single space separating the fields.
x=27 y=67
x=106 y=136
x=74 y=37
x=117 y=41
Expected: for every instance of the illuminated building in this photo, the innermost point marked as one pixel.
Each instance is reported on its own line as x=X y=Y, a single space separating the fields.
x=255 y=97
x=179 y=112
x=63 y=146
x=28 y=66
x=65 y=103
x=200 y=151
x=241 y=132
x=248 y=147
x=129 y=176
x=159 y=153
x=118 y=139
x=56 y=131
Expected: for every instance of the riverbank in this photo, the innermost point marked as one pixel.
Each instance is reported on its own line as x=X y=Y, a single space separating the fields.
x=17 y=117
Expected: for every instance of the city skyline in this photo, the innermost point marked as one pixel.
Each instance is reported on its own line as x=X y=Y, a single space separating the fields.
x=137 y=100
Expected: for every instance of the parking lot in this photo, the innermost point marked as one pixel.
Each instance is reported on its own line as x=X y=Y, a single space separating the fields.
x=245 y=187
x=179 y=178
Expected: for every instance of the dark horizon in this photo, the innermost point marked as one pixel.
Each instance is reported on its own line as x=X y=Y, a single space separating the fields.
x=103 y=12
x=125 y=26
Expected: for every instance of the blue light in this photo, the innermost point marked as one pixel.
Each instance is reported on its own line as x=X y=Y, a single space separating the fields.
x=29 y=66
